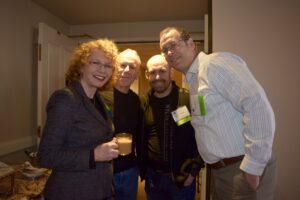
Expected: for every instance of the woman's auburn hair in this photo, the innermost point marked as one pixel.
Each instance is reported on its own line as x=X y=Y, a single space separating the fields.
x=82 y=53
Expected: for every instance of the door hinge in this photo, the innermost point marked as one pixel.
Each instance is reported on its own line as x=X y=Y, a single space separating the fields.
x=40 y=52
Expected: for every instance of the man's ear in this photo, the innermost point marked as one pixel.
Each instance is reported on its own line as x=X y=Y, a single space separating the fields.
x=171 y=72
x=138 y=73
x=146 y=74
x=192 y=44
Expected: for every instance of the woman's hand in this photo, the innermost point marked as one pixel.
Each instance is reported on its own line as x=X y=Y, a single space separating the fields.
x=106 y=151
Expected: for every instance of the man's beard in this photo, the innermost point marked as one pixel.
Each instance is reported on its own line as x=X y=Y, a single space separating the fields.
x=162 y=88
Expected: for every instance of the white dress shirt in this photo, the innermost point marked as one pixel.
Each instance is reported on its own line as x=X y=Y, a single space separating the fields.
x=238 y=118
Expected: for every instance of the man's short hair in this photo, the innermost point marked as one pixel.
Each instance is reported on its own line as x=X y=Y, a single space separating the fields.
x=184 y=35
x=132 y=53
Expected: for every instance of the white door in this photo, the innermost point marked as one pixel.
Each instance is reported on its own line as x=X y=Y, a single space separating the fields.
x=54 y=53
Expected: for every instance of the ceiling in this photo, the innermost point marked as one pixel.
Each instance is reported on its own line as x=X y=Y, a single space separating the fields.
x=82 y=12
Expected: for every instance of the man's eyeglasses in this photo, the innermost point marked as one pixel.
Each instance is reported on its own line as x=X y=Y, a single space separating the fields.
x=99 y=64
x=171 y=46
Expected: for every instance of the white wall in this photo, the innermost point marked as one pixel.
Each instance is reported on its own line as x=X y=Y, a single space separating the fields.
x=137 y=31
x=18 y=68
x=266 y=34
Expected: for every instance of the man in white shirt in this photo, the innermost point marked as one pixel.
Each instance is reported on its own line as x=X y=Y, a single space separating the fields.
x=232 y=117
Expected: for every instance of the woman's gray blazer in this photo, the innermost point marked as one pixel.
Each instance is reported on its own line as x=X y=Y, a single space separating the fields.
x=73 y=128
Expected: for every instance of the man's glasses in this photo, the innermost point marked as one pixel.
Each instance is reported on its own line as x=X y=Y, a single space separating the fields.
x=171 y=46
x=99 y=64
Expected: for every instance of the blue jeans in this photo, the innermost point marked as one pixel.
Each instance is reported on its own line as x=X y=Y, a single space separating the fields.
x=126 y=184
x=159 y=187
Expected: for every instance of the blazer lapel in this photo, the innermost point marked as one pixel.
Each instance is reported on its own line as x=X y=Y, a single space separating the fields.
x=90 y=107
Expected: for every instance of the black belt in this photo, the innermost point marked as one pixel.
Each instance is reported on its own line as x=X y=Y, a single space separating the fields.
x=225 y=162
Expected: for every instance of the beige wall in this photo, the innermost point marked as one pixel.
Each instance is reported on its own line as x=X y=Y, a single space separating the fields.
x=266 y=34
x=19 y=22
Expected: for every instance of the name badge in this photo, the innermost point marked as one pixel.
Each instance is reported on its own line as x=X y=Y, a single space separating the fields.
x=181 y=115
x=198 y=105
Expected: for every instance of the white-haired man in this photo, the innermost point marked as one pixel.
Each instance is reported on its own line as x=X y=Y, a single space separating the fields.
x=124 y=105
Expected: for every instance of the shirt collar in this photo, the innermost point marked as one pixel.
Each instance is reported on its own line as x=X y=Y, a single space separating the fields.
x=193 y=70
